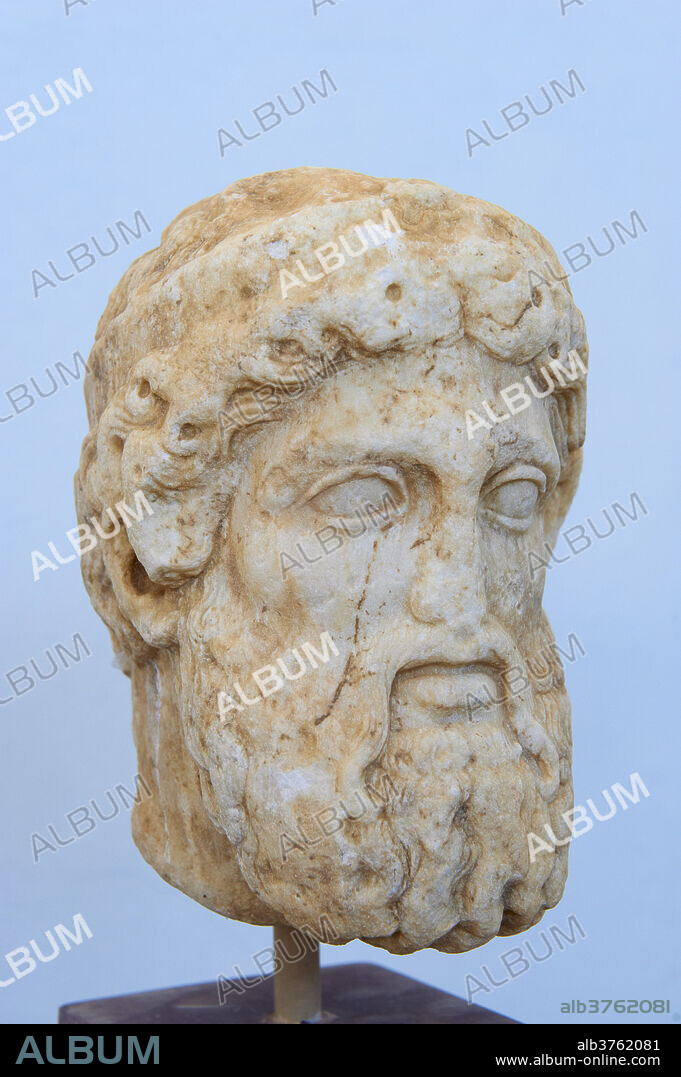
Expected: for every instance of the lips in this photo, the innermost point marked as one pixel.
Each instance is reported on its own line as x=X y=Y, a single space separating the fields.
x=443 y=692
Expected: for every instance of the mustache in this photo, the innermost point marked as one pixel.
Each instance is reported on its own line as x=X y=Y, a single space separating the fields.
x=489 y=651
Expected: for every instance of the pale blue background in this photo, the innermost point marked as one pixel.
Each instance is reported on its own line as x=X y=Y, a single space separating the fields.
x=411 y=77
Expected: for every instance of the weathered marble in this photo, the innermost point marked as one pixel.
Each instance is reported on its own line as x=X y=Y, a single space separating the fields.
x=370 y=496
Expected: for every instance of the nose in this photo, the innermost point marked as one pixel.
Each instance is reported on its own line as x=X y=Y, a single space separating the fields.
x=448 y=584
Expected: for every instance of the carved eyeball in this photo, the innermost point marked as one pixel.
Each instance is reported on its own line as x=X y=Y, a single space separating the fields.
x=142 y=402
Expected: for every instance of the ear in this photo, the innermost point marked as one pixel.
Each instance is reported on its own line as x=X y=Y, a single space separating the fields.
x=147 y=485
x=167 y=543
x=172 y=532
x=137 y=611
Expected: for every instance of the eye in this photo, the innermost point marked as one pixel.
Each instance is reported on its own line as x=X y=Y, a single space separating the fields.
x=516 y=499
x=356 y=493
x=512 y=496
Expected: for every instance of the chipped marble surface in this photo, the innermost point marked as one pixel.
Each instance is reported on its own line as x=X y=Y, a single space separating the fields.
x=303 y=443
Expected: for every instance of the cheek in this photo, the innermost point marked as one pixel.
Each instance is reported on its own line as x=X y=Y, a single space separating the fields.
x=317 y=573
x=514 y=591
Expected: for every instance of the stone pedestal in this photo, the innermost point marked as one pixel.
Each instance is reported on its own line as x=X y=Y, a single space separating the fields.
x=360 y=994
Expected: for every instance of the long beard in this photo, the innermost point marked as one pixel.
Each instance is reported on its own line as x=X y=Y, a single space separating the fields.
x=402 y=836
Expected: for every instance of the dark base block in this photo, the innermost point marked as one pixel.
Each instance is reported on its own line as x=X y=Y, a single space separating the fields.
x=351 y=994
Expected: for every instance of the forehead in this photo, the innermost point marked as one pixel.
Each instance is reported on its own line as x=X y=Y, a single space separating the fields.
x=409 y=408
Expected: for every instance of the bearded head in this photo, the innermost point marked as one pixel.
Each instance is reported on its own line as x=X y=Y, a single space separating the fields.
x=351 y=409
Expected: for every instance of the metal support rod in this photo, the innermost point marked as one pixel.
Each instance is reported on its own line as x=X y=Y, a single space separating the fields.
x=298 y=983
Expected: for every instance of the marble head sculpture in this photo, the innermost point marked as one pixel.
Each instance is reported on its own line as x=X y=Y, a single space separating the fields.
x=346 y=700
